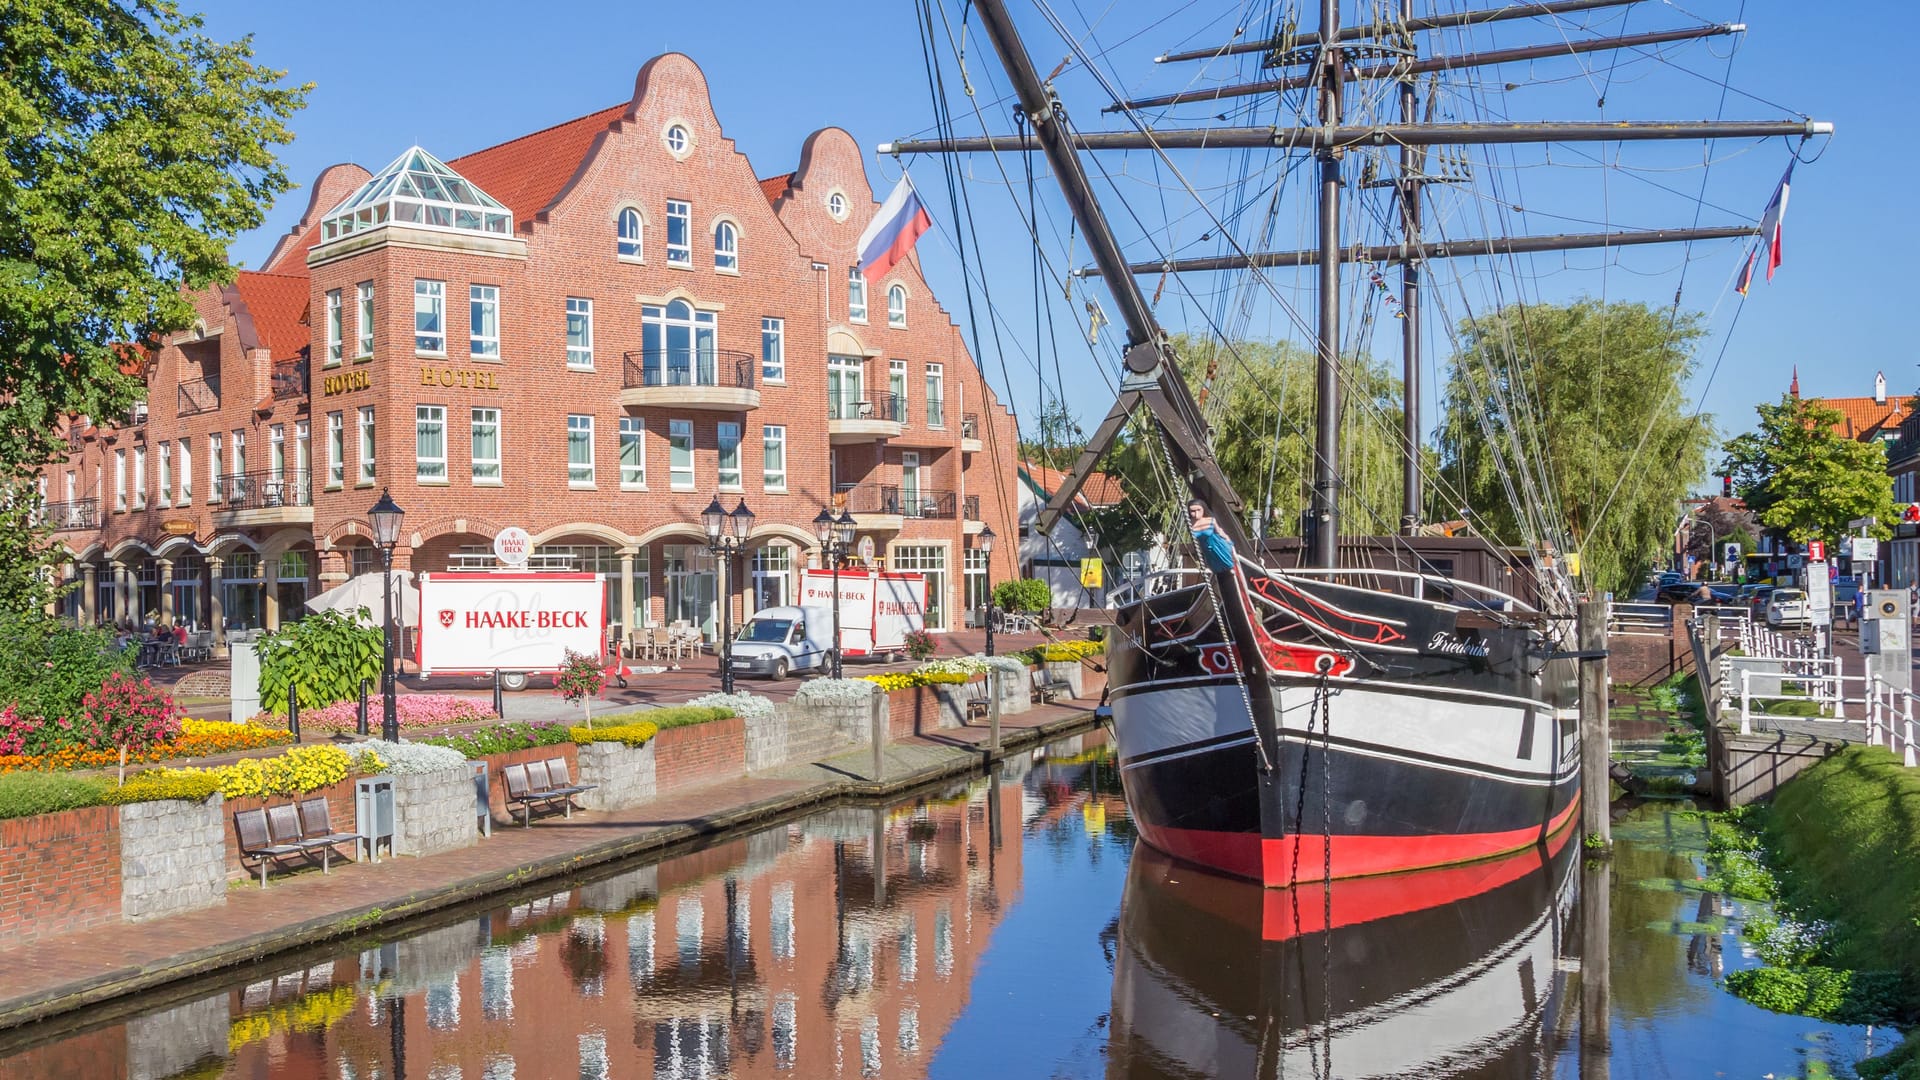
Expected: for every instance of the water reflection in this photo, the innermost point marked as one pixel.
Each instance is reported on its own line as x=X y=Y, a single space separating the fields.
x=1449 y=973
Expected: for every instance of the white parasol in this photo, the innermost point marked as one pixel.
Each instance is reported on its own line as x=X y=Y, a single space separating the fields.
x=364 y=592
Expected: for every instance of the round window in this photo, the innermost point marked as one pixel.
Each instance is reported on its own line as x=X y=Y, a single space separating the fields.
x=837 y=205
x=678 y=139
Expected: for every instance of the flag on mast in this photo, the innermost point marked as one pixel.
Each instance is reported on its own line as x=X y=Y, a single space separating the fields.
x=1771 y=233
x=892 y=232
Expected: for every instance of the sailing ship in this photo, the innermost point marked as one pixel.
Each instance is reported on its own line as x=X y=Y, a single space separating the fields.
x=1335 y=706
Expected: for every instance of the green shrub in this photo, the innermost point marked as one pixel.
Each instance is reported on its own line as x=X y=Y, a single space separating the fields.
x=671 y=716
x=1793 y=708
x=1900 y=1063
x=158 y=784
x=502 y=738
x=325 y=655
x=48 y=668
x=635 y=733
x=24 y=794
x=1024 y=594
x=1842 y=997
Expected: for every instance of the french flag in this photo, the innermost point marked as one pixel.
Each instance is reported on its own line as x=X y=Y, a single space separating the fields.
x=892 y=232
x=1771 y=234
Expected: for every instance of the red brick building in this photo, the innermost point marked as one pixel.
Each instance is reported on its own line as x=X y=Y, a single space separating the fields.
x=589 y=332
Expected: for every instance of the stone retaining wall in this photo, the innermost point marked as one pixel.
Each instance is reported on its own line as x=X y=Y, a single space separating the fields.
x=797 y=732
x=59 y=872
x=434 y=812
x=173 y=857
x=624 y=775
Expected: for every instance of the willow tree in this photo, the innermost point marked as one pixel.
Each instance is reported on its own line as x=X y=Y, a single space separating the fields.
x=1574 y=417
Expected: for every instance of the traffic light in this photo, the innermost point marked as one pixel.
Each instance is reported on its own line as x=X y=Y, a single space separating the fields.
x=1726 y=486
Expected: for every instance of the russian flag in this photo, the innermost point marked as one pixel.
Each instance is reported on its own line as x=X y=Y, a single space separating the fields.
x=892 y=232
x=1772 y=233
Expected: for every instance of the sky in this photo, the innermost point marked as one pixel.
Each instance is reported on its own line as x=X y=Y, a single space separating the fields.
x=458 y=78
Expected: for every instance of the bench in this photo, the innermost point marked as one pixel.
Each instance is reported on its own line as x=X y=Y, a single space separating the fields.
x=316 y=828
x=531 y=788
x=1045 y=689
x=978 y=709
x=270 y=835
x=558 y=779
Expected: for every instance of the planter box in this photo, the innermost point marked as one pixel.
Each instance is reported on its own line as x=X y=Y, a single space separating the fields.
x=625 y=775
x=173 y=857
x=434 y=812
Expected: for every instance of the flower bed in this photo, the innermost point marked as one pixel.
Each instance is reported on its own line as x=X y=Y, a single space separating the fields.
x=744 y=705
x=1061 y=651
x=502 y=738
x=197 y=738
x=403 y=759
x=635 y=733
x=909 y=679
x=296 y=772
x=415 y=712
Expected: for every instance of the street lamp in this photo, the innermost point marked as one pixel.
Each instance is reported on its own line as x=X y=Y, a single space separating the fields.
x=385 y=518
x=836 y=539
x=985 y=543
x=726 y=534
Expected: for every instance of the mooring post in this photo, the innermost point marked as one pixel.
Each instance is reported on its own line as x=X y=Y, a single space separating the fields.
x=876 y=714
x=1596 y=968
x=1595 y=784
x=879 y=856
x=993 y=711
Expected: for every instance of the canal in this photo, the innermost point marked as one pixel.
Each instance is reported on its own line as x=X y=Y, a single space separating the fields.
x=1007 y=927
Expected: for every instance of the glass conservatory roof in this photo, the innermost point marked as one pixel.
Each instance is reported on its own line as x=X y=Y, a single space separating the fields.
x=418 y=189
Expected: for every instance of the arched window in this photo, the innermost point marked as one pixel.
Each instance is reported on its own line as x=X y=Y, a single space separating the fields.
x=630 y=230
x=677 y=345
x=726 y=247
x=897 y=306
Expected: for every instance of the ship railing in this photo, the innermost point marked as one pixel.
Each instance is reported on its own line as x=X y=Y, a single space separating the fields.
x=1485 y=598
x=1890 y=719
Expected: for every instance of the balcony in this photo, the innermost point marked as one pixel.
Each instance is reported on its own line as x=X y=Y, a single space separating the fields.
x=289 y=380
x=970 y=520
x=887 y=507
x=970 y=436
x=198 y=396
x=264 y=498
x=715 y=380
x=79 y=514
x=854 y=418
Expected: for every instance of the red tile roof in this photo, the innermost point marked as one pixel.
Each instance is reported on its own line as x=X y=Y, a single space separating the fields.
x=1100 y=489
x=1863 y=417
x=777 y=186
x=277 y=304
x=526 y=173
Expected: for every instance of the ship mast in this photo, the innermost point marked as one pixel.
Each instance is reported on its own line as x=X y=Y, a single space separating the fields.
x=1323 y=508
x=1413 y=168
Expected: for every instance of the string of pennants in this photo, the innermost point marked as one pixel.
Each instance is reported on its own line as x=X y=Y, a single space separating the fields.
x=1380 y=286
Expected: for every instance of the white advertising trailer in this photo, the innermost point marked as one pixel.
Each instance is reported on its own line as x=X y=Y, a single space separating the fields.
x=877 y=610
x=519 y=624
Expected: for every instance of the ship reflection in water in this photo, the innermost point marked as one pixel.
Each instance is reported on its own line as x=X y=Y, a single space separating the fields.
x=1441 y=973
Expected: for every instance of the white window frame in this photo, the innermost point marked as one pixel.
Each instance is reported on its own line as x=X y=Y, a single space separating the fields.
x=369 y=450
x=215 y=458
x=897 y=384
x=302 y=455
x=678 y=139
x=773 y=349
x=632 y=248
x=183 y=462
x=579 y=473
x=897 y=306
x=434 y=295
x=483 y=300
x=633 y=432
x=773 y=443
x=936 y=401
x=727 y=435
x=485 y=471
x=681 y=254
x=120 y=481
x=363 y=319
x=277 y=451
x=165 y=493
x=336 y=449
x=837 y=206
x=856 y=295
x=239 y=448
x=335 y=325
x=139 y=478
x=726 y=247
x=429 y=468
x=678 y=478
x=580 y=356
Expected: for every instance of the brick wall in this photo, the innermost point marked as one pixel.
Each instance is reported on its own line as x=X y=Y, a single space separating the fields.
x=707 y=753
x=59 y=872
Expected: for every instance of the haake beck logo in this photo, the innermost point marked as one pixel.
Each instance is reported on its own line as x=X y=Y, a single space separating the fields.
x=446 y=619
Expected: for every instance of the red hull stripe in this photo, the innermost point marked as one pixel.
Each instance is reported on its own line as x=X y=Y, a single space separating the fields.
x=1270 y=861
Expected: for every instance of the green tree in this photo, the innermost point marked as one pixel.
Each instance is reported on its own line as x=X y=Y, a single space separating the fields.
x=135 y=149
x=1056 y=440
x=28 y=558
x=323 y=657
x=1587 y=399
x=1804 y=478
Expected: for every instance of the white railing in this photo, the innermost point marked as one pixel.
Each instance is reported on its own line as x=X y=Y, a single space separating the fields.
x=1890 y=720
x=1625 y=619
x=1823 y=680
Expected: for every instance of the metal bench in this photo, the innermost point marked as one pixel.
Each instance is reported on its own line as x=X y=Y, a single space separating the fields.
x=258 y=840
x=559 y=780
x=316 y=829
x=1045 y=689
x=523 y=789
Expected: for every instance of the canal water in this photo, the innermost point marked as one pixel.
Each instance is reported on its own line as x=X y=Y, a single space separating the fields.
x=1008 y=927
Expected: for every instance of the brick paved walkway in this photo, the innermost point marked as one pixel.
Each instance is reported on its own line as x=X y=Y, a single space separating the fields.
x=55 y=975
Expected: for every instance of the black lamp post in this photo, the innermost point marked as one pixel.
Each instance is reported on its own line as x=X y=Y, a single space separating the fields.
x=836 y=539
x=985 y=543
x=385 y=518
x=726 y=533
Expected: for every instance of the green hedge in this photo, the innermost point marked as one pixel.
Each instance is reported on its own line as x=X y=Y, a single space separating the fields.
x=24 y=794
x=1849 y=833
x=672 y=716
x=502 y=738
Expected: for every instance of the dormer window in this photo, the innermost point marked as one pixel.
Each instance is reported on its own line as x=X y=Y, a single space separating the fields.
x=631 y=232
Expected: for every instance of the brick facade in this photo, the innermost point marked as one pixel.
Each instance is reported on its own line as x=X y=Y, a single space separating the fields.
x=930 y=472
x=61 y=872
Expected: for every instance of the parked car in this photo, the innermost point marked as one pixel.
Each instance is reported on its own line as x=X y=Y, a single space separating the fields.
x=1788 y=607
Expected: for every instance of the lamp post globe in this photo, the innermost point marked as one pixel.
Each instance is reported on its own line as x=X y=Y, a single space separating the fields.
x=385 y=518
x=985 y=543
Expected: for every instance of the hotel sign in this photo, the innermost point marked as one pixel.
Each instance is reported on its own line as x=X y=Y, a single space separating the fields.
x=452 y=377
x=345 y=381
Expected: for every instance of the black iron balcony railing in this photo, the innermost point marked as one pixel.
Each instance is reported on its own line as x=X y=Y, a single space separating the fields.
x=855 y=406
x=724 y=368
x=971 y=508
x=66 y=516
x=263 y=490
x=198 y=396
x=970 y=426
x=897 y=501
x=289 y=380
x=929 y=503
x=870 y=498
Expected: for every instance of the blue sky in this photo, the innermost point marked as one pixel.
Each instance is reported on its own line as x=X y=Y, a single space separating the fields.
x=458 y=78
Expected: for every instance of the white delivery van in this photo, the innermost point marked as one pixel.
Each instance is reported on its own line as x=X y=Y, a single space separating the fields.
x=877 y=610
x=777 y=641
